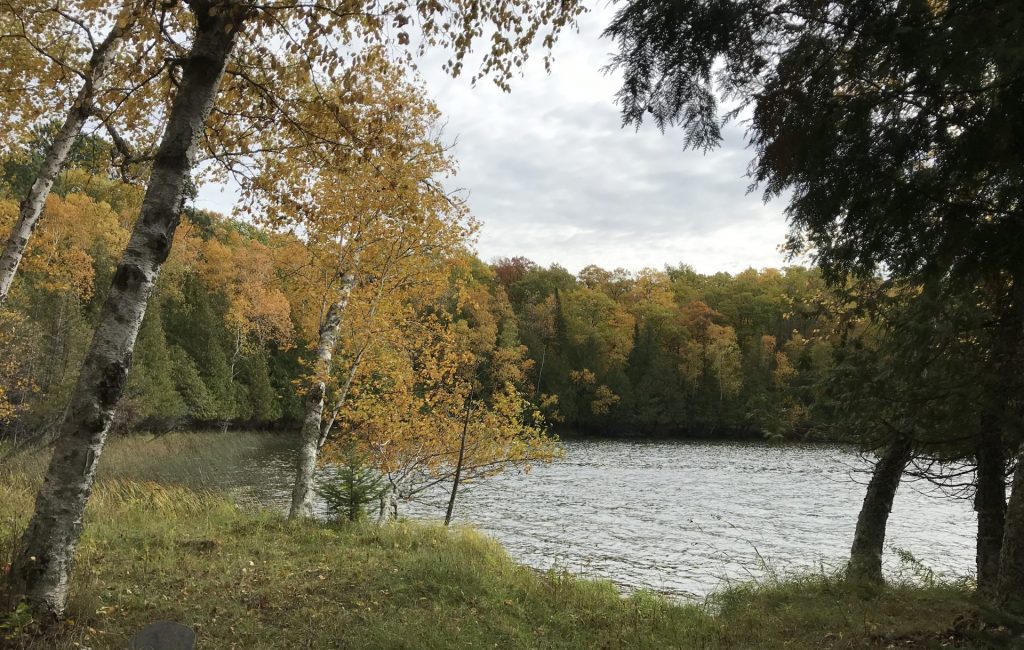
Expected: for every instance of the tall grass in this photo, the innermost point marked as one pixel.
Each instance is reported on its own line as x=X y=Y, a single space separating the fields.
x=249 y=579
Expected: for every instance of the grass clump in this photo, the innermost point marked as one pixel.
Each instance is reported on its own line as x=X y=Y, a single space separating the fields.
x=246 y=578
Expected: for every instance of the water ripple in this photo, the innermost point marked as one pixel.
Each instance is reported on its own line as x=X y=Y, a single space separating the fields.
x=680 y=517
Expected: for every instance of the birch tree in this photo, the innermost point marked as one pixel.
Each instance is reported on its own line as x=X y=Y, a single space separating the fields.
x=434 y=410
x=252 y=101
x=46 y=42
x=41 y=569
x=32 y=205
x=379 y=222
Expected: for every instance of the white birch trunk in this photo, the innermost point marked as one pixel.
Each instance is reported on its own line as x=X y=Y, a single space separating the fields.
x=388 y=506
x=325 y=428
x=53 y=161
x=382 y=514
x=302 y=492
x=43 y=563
x=339 y=403
x=389 y=498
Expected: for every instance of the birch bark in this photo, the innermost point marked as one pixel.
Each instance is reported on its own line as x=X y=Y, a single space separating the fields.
x=53 y=160
x=42 y=566
x=302 y=492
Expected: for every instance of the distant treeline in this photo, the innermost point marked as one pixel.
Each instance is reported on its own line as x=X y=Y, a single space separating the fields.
x=192 y=365
x=223 y=344
x=671 y=351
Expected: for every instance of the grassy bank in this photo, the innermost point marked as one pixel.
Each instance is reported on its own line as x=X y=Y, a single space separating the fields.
x=248 y=579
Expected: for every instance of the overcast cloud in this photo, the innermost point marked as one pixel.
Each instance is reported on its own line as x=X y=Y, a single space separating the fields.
x=552 y=176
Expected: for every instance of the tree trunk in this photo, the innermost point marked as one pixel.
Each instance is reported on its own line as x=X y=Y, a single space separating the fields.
x=382 y=513
x=302 y=492
x=1010 y=584
x=232 y=373
x=990 y=504
x=1009 y=587
x=53 y=160
x=339 y=403
x=869 y=538
x=458 y=466
x=42 y=566
x=388 y=504
x=540 y=372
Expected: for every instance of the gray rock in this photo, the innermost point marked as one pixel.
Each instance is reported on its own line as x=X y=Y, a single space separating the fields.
x=165 y=635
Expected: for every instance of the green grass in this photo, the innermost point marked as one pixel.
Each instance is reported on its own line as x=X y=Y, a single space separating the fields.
x=248 y=579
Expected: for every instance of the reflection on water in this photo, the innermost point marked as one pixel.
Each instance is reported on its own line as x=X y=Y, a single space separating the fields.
x=676 y=517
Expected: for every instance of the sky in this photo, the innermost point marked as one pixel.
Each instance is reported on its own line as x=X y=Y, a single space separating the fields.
x=551 y=174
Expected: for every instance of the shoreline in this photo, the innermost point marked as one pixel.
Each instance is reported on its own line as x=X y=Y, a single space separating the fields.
x=250 y=579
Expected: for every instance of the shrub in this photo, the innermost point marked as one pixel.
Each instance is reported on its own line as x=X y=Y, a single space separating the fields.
x=355 y=485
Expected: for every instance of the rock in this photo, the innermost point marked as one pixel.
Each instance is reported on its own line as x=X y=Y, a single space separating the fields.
x=165 y=635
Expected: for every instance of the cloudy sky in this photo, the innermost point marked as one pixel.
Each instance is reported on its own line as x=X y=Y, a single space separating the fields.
x=552 y=176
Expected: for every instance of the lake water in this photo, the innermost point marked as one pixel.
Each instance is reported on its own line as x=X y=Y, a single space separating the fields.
x=676 y=517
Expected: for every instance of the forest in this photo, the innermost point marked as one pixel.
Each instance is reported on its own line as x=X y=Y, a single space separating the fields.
x=342 y=302
x=611 y=352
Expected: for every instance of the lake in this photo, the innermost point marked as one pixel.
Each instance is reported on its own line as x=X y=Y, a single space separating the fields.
x=675 y=517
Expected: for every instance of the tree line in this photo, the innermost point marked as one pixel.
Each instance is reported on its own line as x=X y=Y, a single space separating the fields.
x=671 y=351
